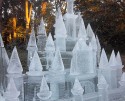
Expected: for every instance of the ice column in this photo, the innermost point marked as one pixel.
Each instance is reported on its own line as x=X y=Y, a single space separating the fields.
x=11 y=93
x=77 y=91
x=50 y=50
x=60 y=32
x=41 y=36
x=103 y=88
x=44 y=93
x=35 y=68
x=32 y=46
x=70 y=21
x=122 y=81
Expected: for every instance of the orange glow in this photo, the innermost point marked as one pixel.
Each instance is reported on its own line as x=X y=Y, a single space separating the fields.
x=43 y=8
x=28 y=13
x=14 y=27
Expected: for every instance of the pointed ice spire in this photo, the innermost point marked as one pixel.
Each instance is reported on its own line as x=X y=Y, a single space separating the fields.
x=98 y=43
x=2 y=98
x=5 y=57
x=42 y=29
x=94 y=43
x=44 y=93
x=1 y=41
x=82 y=30
x=60 y=29
x=122 y=81
x=102 y=80
x=14 y=63
x=90 y=32
x=50 y=43
x=57 y=65
x=103 y=60
x=11 y=91
x=35 y=64
x=112 y=60
x=119 y=60
x=77 y=88
x=32 y=41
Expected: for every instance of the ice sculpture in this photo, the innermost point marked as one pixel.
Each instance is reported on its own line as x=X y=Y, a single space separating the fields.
x=57 y=65
x=103 y=60
x=50 y=44
x=70 y=21
x=50 y=50
x=103 y=88
x=82 y=30
x=60 y=33
x=119 y=61
x=14 y=66
x=77 y=88
x=2 y=98
x=83 y=65
x=122 y=81
x=1 y=41
x=1 y=88
x=77 y=91
x=89 y=32
x=112 y=60
x=32 y=41
x=11 y=93
x=44 y=93
x=5 y=58
x=98 y=49
x=41 y=36
x=35 y=68
x=32 y=46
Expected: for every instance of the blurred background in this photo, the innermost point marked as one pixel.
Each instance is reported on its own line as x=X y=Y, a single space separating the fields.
x=107 y=18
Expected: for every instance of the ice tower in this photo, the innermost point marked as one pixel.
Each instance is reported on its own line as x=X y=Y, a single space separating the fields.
x=41 y=36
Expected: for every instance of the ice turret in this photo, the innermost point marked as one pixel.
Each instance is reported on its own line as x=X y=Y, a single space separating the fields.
x=77 y=88
x=119 y=60
x=50 y=50
x=50 y=43
x=11 y=91
x=82 y=30
x=57 y=65
x=2 y=98
x=14 y=66
x=32 y=46
x=98 y=49
x=70 y=4
x=103 y=60
x=35 y=68
x=77 y=91
x=90 y=32
x=103 y=88
x=112 y=60
x=1 y=41
x=122 y=81
x=60 y=33
x=32 y=41
x=44 y=93
x=41 y=36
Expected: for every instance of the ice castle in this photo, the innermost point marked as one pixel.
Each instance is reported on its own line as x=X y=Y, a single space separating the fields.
x=72 y=67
